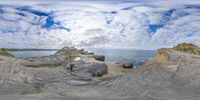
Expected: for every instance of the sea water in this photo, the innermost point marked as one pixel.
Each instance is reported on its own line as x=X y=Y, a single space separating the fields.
x=136 y=57
x=25 y=54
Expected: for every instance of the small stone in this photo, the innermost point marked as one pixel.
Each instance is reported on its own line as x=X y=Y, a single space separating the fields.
x=127 y=65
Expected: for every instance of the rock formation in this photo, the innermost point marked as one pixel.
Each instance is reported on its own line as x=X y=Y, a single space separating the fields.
x=99 y=57
x=171 y=75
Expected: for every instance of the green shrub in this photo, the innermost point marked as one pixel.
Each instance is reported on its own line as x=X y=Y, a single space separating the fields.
x=188 y=47
x=4 y=52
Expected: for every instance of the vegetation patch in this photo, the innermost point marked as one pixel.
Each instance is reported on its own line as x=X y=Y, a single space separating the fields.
x=4 y=52
x=188 y=47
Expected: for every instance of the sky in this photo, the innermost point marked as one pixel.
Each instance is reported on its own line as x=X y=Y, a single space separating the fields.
x=124 y=24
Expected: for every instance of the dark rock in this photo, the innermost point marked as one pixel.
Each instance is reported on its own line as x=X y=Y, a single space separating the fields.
x=95 y=69
x=87 y=53
x=99 y=57
x=90 y=53
x=38 y=87
x=127 y=65
x=98 y=69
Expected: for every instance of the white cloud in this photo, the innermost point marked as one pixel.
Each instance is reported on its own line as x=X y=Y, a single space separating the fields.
x=109 y=24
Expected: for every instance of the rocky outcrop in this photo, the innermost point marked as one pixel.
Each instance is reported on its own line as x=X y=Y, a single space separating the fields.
x=171 y=75
x=63 y=57
x=67 y=50
x=31 y=75
x=87 y=53
x=90 y=69
x=47 y=61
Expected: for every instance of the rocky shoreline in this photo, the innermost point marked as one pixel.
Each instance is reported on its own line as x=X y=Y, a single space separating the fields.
x=171 y=75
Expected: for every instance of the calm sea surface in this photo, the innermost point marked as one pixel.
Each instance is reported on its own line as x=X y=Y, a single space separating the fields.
x=137 y=57
x=24 y=54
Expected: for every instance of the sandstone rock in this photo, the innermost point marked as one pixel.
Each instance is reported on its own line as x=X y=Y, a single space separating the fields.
x=170 y=66
x=47 y=61
x=82 y=75
x=78 y=62
x=176 y=78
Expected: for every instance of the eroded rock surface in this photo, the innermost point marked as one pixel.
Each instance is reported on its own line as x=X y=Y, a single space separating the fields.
x=172 y=75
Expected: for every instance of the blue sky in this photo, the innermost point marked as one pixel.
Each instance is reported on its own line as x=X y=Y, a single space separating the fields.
x=134 y=24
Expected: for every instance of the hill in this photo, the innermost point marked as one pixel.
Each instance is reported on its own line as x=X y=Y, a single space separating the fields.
x=188 y=47
x=4 y=52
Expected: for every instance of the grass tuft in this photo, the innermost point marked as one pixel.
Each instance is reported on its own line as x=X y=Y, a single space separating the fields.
x=4 y=52
x=188 y=47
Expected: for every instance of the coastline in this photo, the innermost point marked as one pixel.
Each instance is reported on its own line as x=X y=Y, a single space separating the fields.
x=28 y=49
x=169 y=74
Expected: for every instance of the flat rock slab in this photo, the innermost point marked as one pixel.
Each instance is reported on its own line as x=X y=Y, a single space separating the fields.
x=82 y=75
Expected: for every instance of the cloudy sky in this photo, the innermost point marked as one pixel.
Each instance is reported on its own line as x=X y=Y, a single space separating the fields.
x=135 y=24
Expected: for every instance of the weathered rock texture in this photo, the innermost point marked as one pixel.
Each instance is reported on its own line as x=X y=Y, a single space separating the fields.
x=172 y=75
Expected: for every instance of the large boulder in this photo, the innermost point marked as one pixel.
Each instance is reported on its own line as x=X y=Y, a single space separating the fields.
x=98 y=69
x=99 y=57
x=95 y=69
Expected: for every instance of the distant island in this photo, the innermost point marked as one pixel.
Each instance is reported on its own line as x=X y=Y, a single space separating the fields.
x=27 y=49
x=6 y=51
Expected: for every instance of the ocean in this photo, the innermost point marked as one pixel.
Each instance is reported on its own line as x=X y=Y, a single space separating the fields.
x=136 y=57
